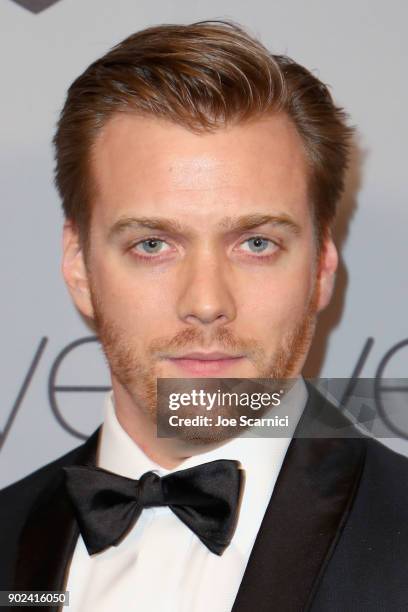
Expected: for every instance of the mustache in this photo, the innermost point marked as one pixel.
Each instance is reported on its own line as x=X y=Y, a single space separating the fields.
x=193 y=339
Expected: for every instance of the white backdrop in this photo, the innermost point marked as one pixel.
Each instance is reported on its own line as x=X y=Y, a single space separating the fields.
x=358 y=47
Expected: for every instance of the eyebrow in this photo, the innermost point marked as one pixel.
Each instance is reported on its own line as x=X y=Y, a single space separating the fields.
x=229 y=224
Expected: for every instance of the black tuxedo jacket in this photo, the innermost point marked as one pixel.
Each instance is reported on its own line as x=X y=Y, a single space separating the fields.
x=334 y=537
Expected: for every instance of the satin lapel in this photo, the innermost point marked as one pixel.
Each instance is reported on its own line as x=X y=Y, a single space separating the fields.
x=304 y=518
x=49 y=535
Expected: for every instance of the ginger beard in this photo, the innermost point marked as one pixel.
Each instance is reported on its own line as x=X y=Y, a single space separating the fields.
x=138 y=376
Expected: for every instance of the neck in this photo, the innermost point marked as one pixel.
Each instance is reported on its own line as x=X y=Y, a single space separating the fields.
x=168 y=453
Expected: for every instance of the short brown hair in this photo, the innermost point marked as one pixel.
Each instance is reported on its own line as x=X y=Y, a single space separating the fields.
x=201 y=76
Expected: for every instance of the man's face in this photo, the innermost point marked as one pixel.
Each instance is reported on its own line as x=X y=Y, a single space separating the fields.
x=202 y=247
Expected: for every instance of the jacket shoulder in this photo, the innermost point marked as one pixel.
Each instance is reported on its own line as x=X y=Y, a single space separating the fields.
x=41 y=474
x=18 y=499
x=19 y=496
x=386 y=467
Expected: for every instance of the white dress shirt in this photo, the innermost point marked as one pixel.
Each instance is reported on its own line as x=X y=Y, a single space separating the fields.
x=161 y=565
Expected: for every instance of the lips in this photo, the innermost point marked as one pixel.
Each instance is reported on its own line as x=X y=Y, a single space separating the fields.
x=202 y=364
x=214 y=356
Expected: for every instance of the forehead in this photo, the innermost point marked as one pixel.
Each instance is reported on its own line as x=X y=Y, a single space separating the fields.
x=143 y=165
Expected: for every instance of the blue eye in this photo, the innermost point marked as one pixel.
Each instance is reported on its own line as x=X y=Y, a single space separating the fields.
x=151 y=245
x=257 y=244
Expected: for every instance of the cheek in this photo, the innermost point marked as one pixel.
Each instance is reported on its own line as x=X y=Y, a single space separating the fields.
x=136 y=304
x=277 y=312
x=277 y=303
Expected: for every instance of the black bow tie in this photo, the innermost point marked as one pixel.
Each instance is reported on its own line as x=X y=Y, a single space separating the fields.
x=205 y=498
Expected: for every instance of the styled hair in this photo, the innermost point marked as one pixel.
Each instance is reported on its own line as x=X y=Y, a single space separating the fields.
x=201 y=76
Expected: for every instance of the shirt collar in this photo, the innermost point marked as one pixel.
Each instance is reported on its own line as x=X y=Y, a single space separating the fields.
x=119 y=453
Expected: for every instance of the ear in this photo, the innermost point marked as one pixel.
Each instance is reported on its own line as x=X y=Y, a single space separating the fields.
x=74 y=270
x=327 y=272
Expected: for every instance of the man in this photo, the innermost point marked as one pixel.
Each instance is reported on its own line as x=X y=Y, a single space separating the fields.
x=199 y=176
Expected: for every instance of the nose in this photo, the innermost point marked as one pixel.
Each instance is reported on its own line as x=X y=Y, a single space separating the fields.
x=205 y=298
